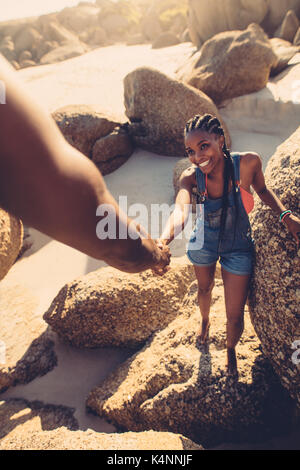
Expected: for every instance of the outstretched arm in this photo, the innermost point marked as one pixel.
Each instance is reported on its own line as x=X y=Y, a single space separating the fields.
x=54 y=188
x=179 y=216
x=269 y=198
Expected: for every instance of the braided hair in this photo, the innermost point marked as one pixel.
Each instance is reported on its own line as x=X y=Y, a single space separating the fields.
x=212 y=125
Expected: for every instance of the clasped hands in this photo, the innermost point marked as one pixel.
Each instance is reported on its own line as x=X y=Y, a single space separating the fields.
x=163 y=266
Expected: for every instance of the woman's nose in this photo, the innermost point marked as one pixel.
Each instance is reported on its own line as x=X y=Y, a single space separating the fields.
x=196 y=158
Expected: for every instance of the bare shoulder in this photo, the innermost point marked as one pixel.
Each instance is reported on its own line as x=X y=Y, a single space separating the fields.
x=251 y=162
x=188 y=176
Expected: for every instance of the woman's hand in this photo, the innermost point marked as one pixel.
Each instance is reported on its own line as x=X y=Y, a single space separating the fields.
x=293 y=224
x=163 y=267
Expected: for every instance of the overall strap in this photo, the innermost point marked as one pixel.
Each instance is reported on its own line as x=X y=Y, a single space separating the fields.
x=236 y=164
x=201 y=186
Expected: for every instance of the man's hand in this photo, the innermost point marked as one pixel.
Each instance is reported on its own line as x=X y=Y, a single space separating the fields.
x=163 y=266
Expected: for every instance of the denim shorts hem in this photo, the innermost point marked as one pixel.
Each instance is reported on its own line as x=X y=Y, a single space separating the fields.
x=232 y=271
x=199 y=264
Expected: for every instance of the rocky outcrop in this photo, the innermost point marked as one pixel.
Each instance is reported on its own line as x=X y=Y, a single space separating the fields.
x=27 y=348
x=231 y=64
x=174 y=383
x=164 y=17
x=64 y=439
x=111 y=151
x=11 y=238
x=297 y=38
x=165 y=40
x=289 y=26
x=75 y=30
x=7 y=49
x=284 y=51
x=277 y=10
x=159 y=107
x=19 y=417
x=274 y=300
x=206 y=19
x=112 y=308
x=27 y=39
x=85 y=127
x=53 y=31
x=68 y=51
x=80 y=17
x=35 y=426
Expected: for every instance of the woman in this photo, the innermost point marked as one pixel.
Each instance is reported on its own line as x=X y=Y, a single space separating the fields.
x=223 y=182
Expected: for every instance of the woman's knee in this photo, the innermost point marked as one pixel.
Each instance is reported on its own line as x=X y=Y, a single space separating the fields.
x=204 y=289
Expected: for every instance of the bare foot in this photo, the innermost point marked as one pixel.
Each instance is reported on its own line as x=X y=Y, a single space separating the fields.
x=203 y=332
x=231 y=362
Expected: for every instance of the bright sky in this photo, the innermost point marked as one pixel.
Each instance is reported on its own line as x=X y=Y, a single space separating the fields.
x=11 y=9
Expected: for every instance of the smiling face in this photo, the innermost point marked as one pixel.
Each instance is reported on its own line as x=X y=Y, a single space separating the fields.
x=205 y=150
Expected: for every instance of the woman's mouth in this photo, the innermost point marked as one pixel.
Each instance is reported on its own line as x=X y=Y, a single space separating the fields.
x=204 y=164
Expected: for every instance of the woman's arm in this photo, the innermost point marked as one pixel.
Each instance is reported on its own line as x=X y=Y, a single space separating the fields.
x=54 y=188
x=269 y=198
x=179 y=216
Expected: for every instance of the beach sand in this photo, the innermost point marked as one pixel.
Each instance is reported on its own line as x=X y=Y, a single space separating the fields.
x=96 y=78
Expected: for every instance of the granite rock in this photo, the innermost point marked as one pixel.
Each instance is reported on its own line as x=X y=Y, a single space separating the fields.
x=159 y=107
x=231 y=64
x=274 y=300
x=112 y=308
x=174 y=383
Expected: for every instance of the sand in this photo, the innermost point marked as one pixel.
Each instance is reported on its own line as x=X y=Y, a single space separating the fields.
x=94 y=78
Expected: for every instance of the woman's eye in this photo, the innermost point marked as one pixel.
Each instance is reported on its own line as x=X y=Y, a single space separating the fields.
x=203 y=146
x=190 y=152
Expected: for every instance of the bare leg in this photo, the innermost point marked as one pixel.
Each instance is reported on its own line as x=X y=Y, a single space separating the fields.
x=235 y=291
x=205 y=277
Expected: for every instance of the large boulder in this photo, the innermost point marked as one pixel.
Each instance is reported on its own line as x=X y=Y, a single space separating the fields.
x=44 y=48
x=119 y=18
x=275 y=294
x=166 y=39
x=151 y=26
x=11 y=238
x=297 y=38
x=27 y=63
x=79 y=18
x=114 y=23
x=277 y=10
x=231 y=64
x=13 y=27
x=20 y=418
x=111 y=151
x=35 y=426
x=289 y=26
x=27 y=39
x=7 y=49
x=159 y=107
x=68 y=51
x=83 y=126
x=284 y=51
x=206 y=19
x=112 y=308
x=175 y=384
x=53 y=31
x=26 y=346
x=96 y=36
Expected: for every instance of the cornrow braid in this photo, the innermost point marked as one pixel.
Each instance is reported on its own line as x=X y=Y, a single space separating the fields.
x=212 y=125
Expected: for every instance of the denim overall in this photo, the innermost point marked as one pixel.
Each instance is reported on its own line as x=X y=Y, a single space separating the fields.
x=203 y=249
